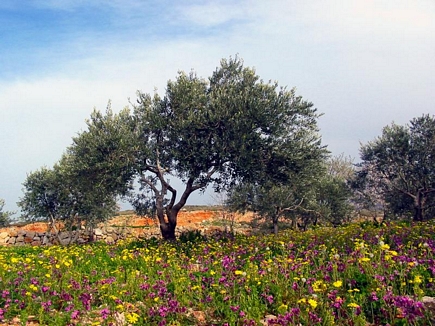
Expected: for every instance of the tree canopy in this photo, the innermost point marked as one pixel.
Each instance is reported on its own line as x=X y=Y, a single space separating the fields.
x=400 y=166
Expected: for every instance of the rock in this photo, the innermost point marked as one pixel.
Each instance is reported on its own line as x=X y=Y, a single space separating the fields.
x=109 y=239
x=429 y=303
x=4 y=235
x=36 y=243
x=21 y=233
x=45 y=240
x=12 y=240
x=20 y=238
x=13 y=233
x=28 y=240
x=30 y=234
x=98 y=232
x=63 y=235
x=267 y=318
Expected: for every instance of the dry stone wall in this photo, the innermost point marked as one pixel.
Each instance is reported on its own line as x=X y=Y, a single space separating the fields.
x=19 y=237
x=15 y=236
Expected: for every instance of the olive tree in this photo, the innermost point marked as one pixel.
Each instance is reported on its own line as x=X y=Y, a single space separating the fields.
x=401 y=167
x=319 y=192
x=60 y=195
x=230 y=128
x=4 y=215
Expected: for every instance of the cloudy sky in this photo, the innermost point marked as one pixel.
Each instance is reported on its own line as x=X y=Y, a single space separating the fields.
x=363 y=63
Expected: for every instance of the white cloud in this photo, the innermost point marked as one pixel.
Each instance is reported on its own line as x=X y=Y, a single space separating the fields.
x=362 y=63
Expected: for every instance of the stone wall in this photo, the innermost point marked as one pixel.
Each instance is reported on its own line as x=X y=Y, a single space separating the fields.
x=17 y=236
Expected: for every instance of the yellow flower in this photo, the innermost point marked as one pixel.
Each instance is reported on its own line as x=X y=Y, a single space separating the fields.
x=337 y=284
x=353 y=305
x=282 y=308
x=418 y=279
x=319 y=286
x=312 y=303
x=385 y=247
x=132 y=318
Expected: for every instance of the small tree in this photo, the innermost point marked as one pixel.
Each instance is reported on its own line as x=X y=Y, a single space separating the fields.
x=4 y=215
x=334 y=193
x=401 y=164
x=318 y=194
x=58 y=195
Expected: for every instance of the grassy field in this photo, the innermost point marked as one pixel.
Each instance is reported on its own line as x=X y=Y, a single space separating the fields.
x=356 y=275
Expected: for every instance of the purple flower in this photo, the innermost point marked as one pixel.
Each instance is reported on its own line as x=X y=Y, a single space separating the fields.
x=105 y=313
x=86 y=298
x=75 y=314
x=314 y=318
x=373 y=297
x=46 y=305
x=234 y=308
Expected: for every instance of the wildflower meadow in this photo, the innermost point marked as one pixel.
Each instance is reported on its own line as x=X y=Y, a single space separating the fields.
x=360 y=274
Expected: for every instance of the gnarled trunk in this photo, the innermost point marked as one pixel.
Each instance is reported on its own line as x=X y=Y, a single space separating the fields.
x=167 y=228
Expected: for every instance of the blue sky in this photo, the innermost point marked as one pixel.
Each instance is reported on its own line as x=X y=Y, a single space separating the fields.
x=362 y=63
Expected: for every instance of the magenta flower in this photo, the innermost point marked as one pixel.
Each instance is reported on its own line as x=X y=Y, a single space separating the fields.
x=75 y=314
x=105 y=313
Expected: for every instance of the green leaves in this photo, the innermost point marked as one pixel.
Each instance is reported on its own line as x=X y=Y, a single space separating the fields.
x=4 y=215
x=401 y=166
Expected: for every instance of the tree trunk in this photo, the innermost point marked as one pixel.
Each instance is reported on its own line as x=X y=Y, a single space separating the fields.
x=418 y=214
x=168 y=231
x=275 y=225
x=168 y=224
x=419 y=202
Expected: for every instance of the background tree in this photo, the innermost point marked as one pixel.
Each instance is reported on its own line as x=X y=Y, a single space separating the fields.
x=319 y=193
x=83 y=186
x=368 y=196
x=60 y=195
x=402 y=167
x=4 y=215
x=47 y=197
